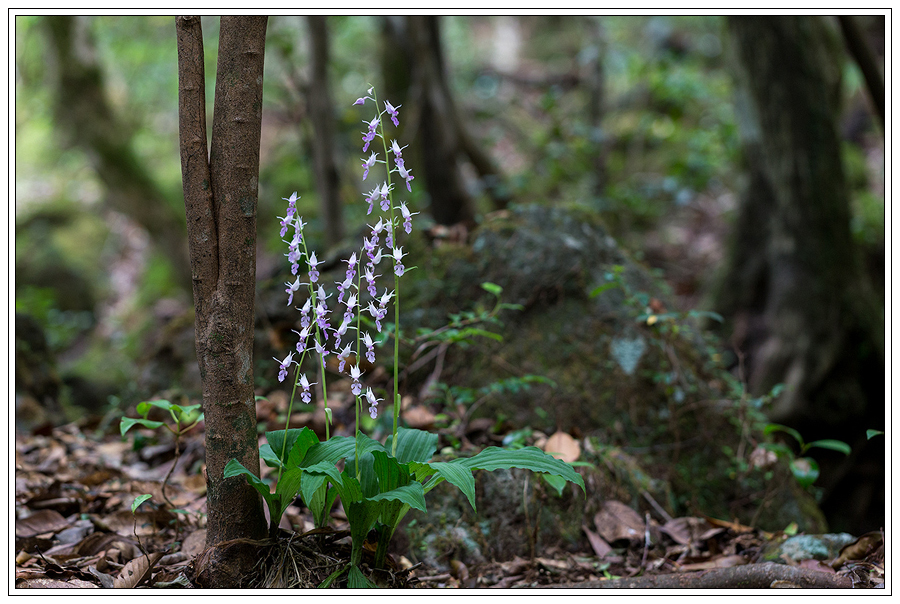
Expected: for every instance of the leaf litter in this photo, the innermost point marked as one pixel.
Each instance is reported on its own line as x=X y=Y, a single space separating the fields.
x=74 y=528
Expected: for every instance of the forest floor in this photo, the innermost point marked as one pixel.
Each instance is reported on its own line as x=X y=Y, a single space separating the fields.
x=75 y=527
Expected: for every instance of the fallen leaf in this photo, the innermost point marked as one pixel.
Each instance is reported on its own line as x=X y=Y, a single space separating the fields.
x=419 y=418
x=616 y=521
x=600 y=547
x=44 y=521
x=135 y=572
x=47 y=583
x=562 y=446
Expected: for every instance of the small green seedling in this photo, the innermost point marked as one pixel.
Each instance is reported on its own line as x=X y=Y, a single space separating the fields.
x=185 y=417
x=804 y=469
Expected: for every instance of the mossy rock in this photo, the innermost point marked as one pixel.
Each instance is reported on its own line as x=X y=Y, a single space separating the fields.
x=634 y=376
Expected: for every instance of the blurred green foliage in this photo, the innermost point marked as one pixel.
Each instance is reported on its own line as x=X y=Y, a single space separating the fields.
x=668 y=132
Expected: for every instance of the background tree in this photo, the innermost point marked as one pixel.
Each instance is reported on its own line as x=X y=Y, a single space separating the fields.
x=83 y=112
x=220 y=202
x=805 y=314
x=321 y=115
x=413 y=47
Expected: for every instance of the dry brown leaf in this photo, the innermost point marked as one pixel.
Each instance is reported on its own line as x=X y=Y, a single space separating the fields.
x=136 y=571
x=47 y=583
x=600 y=547
x=418 y=417
x=44 y=521
x=616 y=521
x=562 y=446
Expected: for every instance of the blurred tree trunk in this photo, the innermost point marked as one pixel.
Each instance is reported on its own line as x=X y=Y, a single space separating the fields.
x=414 y=67
x=805 y=315
x=220 y=197
x=597 y=100
x=321 y=113
x=85 y=115
x=865 y=58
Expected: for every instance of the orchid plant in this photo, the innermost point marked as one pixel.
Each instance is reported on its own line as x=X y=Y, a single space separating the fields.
x=377 y=483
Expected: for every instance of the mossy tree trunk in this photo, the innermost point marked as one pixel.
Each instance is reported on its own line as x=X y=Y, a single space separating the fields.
x=84 y=114
x=220 y=194
x=794 y=281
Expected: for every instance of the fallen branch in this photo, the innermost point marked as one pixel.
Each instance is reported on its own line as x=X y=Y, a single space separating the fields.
x=751 y=576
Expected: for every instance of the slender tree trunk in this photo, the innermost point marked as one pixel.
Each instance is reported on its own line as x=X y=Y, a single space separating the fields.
x=220 y=203
x=321 y=113
x=84 y=113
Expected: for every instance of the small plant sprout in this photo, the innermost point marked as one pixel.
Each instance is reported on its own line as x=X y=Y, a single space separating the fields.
x=185 y=418
x=378 y=483
x=804 y=469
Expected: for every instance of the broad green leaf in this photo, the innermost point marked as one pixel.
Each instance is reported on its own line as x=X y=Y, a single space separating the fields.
x=185 y=411
x=454 y=473
x=872 y=433
x=138 y=501
x=269 y=457
x=834 y=445
x=364 y=445
x=528 y=458
x=334 y=450
x=412 y=495
x=287 y=488
x=129 y=422
x=805 y=470
x=368 y=481
x=413 y=445
x=362 y=516
x=770 y=428
x=143 y=408
x=285 y=442
x=313 y=488
x=557 y=483
x=235 y=468
x=357 y=580
x=325 y=468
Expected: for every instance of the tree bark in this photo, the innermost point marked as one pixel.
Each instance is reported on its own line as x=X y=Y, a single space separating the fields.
x=321 y=113
x=220 y=203
x=84 y=113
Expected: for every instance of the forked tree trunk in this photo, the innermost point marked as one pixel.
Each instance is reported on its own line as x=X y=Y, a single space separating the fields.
x=220 y=196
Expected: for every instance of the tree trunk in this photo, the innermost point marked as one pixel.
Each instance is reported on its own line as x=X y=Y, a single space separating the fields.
x=321 y=113
x=83 y=112
x=220 y=202
x=794 y=271
x=415 y=75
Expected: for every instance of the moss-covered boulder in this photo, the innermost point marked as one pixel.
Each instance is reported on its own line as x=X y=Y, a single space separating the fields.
x=643 y=383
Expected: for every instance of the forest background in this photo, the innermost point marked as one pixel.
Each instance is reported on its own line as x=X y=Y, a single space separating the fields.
x=640 y=121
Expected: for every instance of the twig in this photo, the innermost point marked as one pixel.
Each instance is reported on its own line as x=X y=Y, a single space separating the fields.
x=751 y=576
x=659 y=509
x=434 y=578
